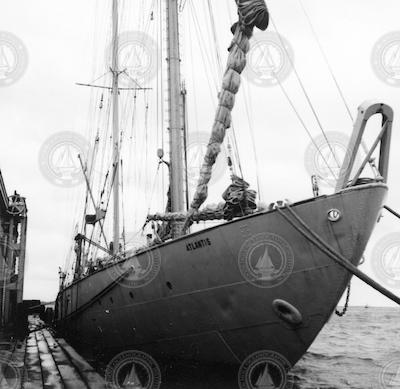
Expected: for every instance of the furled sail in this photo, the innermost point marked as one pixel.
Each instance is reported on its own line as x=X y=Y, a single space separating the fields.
x=252 y=13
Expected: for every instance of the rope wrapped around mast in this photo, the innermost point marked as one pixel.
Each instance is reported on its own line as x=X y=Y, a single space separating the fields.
x=252 y=13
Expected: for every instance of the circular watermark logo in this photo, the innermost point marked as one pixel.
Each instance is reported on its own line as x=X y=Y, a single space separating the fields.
x=389 y=377
x=13 y=58
x=137 y=57
x=386 y=259
x=10 y=376
x=133 y=369
x=58 y=158
x=266 y=260
x=265 y=369
x=196 y=148
x=139 y=269
x=386 y=58
x=325 y=155
x=269 y=60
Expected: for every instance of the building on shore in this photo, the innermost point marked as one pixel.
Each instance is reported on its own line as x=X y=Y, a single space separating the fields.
x=13 y=228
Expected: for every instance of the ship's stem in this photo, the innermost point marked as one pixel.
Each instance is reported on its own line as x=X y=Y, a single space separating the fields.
x=115 y=91
x=175 y=115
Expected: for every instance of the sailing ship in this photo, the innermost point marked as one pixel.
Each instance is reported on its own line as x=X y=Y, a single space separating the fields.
x=263 y=278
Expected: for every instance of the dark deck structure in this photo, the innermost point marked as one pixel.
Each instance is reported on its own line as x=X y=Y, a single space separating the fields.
x=13 y=228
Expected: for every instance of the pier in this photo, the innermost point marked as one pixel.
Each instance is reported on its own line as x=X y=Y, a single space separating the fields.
x=43 y=361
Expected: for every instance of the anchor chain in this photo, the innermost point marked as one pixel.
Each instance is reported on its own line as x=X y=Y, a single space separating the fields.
x=346 y=305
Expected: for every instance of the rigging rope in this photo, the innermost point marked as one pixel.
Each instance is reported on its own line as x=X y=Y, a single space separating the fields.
x=333 y=76
x=304 y=126
x=182 y=4
x=335 y=80
x=253 y=142
x=123 y=207
x=204 y=53
x=215 y=37
x=309 y=102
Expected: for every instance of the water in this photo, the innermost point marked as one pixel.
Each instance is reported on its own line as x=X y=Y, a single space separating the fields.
x=359 y=351
x=352 y=352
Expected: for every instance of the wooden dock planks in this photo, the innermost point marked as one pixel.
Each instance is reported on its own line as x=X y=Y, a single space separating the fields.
x=32 y=379
x=50 y=374
x=70 y=375
x=92 y=379
x=44 y=362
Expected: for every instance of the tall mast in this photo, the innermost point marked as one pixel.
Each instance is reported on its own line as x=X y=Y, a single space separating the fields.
x=175 y=113
x=115 y=91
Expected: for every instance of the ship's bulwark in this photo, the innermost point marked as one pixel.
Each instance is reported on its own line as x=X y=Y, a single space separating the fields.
x=208 y=296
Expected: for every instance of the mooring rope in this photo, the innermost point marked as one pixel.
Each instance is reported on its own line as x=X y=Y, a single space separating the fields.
x=392 y=211
x=317 y=241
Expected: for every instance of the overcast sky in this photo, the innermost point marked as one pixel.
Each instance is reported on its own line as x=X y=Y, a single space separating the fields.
x=62 y=39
